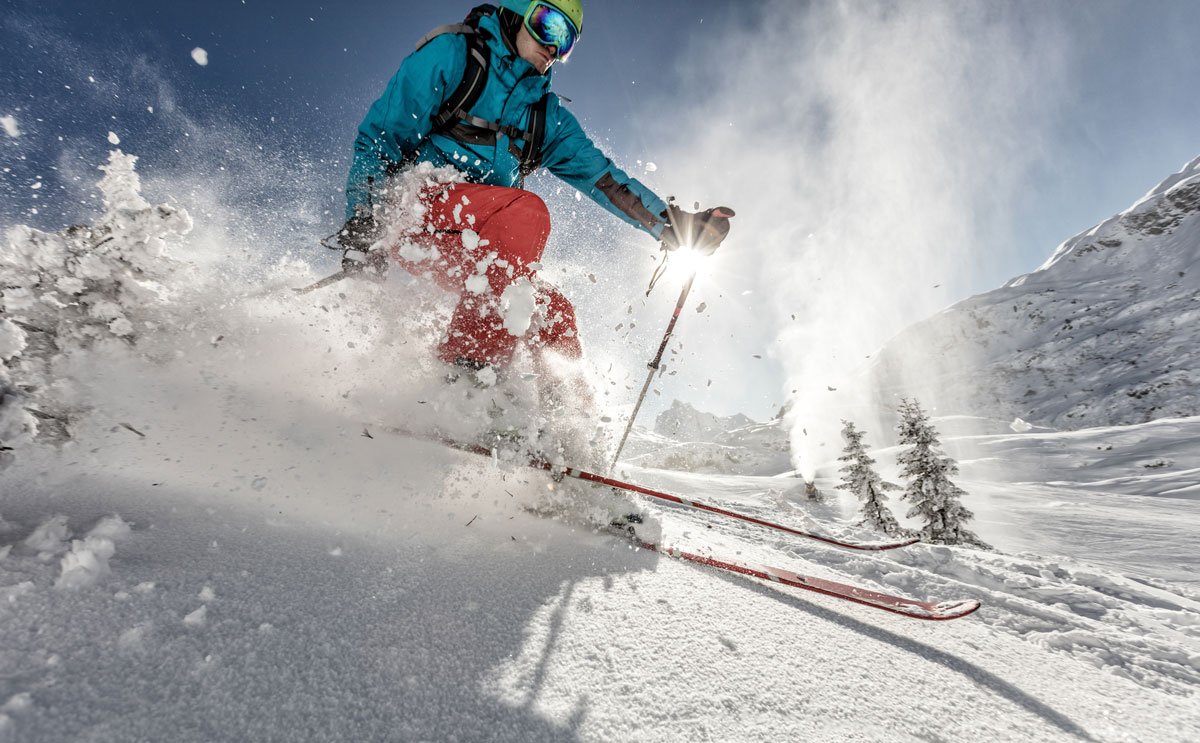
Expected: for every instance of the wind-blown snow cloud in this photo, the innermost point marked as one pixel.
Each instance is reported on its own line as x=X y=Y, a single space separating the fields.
x=872 y=148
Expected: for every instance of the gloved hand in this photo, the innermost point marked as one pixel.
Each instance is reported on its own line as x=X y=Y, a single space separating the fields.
x=704 y=231
x=356 y=237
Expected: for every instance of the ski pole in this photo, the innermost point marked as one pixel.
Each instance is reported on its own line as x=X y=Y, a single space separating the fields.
x=654 y=366
x=330 y=279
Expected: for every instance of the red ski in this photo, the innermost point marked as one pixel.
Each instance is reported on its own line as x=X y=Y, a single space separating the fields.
x=929 y=610
x=543 y=464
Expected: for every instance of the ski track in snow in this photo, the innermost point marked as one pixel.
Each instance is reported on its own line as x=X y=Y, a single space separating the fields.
x=518 y=628
x=1145 y=630
x=224 y=551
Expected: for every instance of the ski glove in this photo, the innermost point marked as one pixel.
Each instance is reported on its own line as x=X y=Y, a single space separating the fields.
x=703 y=231
x=356 y=238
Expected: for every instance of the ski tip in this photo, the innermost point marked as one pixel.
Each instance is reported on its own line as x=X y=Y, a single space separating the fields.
x=875 y=546
x=896 y=545
x=955 y=609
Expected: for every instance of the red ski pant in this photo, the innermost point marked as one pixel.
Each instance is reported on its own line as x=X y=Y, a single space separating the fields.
x=490 y=233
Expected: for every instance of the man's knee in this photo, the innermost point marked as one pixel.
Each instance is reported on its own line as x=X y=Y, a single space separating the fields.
x=558 y=331
x=531 y=211
x=520 y=230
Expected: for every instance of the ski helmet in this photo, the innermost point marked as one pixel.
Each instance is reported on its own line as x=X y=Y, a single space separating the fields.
x=573 y=9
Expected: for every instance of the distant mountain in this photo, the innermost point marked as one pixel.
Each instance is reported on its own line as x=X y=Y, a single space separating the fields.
x=1106 y=332
x=688 y=439
x=683 y=422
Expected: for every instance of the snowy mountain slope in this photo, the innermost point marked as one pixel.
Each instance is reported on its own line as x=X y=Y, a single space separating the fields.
x=1105 y=333
x=280 y=572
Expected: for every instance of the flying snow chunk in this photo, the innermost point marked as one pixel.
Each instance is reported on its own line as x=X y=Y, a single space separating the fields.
x=476 y=284
x=486 y=377
x=111 y=527
x=10 y=126
x=519 y=301
x=1020 y=426
x=87 y=563
x=18 y=703
x=50 y=537
x=133 y=639
x=113 y=139
x=199 y=56
x=12 y=339
x=651 y=167
x=197 y=618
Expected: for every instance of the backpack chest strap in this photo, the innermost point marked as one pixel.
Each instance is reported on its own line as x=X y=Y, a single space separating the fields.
x=495 y=127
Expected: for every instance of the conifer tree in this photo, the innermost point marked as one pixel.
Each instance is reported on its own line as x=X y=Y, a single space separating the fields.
x=934 y=498
x=861 y=479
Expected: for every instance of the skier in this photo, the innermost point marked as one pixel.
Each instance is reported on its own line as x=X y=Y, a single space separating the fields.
x=476 y=96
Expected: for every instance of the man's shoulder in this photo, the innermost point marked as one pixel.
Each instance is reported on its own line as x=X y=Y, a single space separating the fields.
x=556 y=109
x=446 y=51
x=443 y=40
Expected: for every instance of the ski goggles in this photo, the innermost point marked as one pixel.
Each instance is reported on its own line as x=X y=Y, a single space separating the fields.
x=549 y=26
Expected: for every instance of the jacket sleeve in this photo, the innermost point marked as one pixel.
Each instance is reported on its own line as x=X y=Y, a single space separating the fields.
x=401 y=119
x=573 y=157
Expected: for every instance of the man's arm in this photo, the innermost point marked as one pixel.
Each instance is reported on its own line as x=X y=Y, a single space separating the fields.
x=400 y=120
x=572 y=156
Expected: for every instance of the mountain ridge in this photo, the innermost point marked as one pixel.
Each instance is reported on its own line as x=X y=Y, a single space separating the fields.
x=1105 y=332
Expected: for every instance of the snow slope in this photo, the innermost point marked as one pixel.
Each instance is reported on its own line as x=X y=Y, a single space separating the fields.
x=374 y=589
x=1105 y=333
x=229 y=547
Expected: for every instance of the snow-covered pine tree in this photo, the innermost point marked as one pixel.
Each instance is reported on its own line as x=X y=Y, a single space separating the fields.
x=85 y=286
x=860 y=478
x=934 y=498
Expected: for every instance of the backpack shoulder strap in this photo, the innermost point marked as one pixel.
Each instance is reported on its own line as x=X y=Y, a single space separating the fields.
x=449 y=28
x=535 y=137
x=475 y=74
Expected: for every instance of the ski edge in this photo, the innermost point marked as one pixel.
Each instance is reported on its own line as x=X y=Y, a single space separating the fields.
x=926 y=610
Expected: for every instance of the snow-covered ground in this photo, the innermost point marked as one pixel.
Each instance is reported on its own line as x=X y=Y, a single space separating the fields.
x=323 y=585
x=230 y=547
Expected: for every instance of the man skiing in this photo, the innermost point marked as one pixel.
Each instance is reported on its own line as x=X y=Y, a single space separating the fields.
x=476 y=96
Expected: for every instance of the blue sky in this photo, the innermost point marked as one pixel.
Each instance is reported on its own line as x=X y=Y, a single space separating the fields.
x=290 y=81
x=313 y=66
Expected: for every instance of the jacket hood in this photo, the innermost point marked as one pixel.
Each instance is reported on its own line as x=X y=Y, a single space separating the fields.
x=517 y=6
x=501 y=44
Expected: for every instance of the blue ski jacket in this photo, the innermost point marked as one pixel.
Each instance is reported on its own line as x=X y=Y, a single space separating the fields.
x=397 y=130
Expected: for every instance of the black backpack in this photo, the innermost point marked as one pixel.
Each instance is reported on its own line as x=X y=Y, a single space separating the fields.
x=454 y=119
